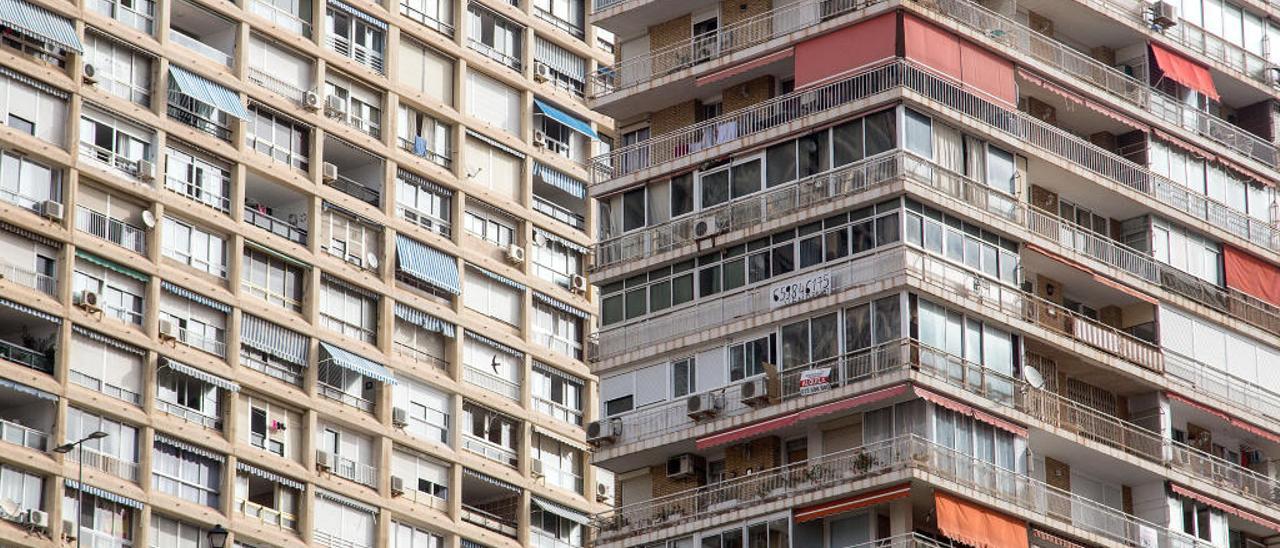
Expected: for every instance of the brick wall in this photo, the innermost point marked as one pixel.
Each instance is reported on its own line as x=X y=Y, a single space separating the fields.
x=747 y=93
x=752 y=456
x=673 y=117
x=732 y=11
x=665 y=35
x=663 y=485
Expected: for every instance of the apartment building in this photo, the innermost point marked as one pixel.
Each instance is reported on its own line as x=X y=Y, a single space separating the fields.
x=939 y=272
x=303 y=273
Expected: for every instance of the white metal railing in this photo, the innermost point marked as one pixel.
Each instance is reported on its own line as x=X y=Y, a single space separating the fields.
x=17 y=434
x=111 y=229
x=188 y=414
x=424 y=220
x=95 y=384
x=358 y=472
x=337 y=394
x=489 y=450
x=443 y=158
x=559 y=213
x=280 y=17
x=130 y=15
x=197 y=193
x=212 y=344
x=356 y=189
x=29 y=278
x=356 y=52
x=275 y=85
x=329 y=540
x=280 y=153
x=186 y=489
x=339 y=325
x=418 y=355
x=557 y=410
x=489 y=520
x=1200 y=41
x=426 y=19
x=112 y=159
x=493 y=383
x=274 y=225
x=289 y=373
x=270 y=296
x=493 y=53
x=194 y=44
x=106 y=463
x=268 y=516
x=717 y=44
x=944 y=466
x=1223 y=386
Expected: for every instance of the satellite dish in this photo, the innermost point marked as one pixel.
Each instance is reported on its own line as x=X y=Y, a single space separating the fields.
x=539 y=239
x=371 y=260
x=1033 y=377
x=9 y=508
x=149 y=219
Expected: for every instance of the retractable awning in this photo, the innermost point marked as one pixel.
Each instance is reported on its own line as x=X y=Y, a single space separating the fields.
x=560 y=180
x=197 y=374
x=40 y=23
x=1184 y=71
x=570 y=514
x=500 y=278
x=201 y=89
x=184 y=446
x=112 y=265
x=565 y=118
x=976 y=525
x=1247 y=427
x=849 y=504
x=268 y=337
x=358 y=364
x=977 y=414
x=560 y=305
x=269 y=476
x=1227 y=508
x=427 y=264
x=195 y=297
x=102 y=494
x=752 y=430
x=424 y=320
x=24 y=389
x=348 y=502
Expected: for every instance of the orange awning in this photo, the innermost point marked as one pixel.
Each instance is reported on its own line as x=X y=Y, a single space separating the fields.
x=977 y=526
x=831 y=508
x=1184 y=71
x=753 y=430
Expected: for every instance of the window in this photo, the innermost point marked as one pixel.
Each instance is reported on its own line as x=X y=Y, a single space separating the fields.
x=420 y=344
x=424 y=135
x=204 y=180
x=188 y=397
x=489 y=224
x=348 y=310
x=734 y=182
x=555 y=261
x=747 y=359
x=558 y=330
x=269 y=277
x=494 y=168
x=114 y=453
x=434 y=14
x=423 y=202
x=490 y=434
x=972 y=339
x=25 y=489
x=683 y=379
x=421 y=474
x=110 y=217
x=271 y=502
x=1186 y=251
x=962 y=242
x=567 y=71
x=495 y=36
x=279 y=137
x=919 y=134
x=427 y=410
x=491 y=297
x=493 y=102
x=170 y=533
x=348 y=236
x=426 y=70
x=566 y=15
x=557 y=394
x=362 y=106
x=26 y=183
x=101 y=521
x=270 y=426
x=561 y=463
x=765 y=534
x=120 y=145
x=186 y=474
x=114 y=368
x=339 y=524
x=872 y=324
x=810 y=341
x=38 y=111
x=346 y=386
x=119 y=295
x=404 y=535
x=356 y=35
x=136 y=14
x=194 y=247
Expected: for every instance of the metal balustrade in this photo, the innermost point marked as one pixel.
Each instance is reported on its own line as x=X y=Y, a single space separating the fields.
x=493 y=53
x=356 y=52
x=197 y=193
x=489 y=520
x=1203 y=43
x=268 y=516
x=275 y=85
x=1228 y=389
x=213 y=344
x=356 y=190
x=274 y=225
x=22 y=355
x=558 y=212
x=358 y=472
x=188 y=414
x=111 y=229
x=93 y=383
x=17 y=434
x=443 y=158
x=280 y=17
x=43 y=283
x=418 y=355
x=429 y=20
x=189 y=111
x=113 y=159
x=96 y=460
x=337 y=394
x=490 y=450
x=911 y=454
x=491 y=382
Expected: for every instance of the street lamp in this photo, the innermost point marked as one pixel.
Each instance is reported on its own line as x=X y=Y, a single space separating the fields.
x=66 y=448
x=217 y=536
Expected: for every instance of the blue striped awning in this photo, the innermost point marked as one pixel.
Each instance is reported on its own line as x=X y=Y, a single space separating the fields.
x=179 y=367
x=40 y=23
x=195 y=297
x=282 y=343
x=201 y=89
x=550 y=236
x=39 y=238
x=111 y=265
x=565 y=118
x=424 y=320
x=560 y=180
x=184 y=446
x=570 y=514
x=269 y=476
x=109 y=341
x=339 y=4
x=348 y=502
x=102 y=494
x=539 y=366
x=28 y=310
x=358 y=364
x=495 y=344
x=560 y=305
x=500 y=278
x=490 y=480
x=19 y=387
x=427 y=264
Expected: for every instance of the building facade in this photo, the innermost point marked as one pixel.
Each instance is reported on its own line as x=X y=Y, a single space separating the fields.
x=316 y=269
x=916 y=272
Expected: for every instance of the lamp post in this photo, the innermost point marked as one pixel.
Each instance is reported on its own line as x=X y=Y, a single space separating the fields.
x=79 y=445
x=217 y=536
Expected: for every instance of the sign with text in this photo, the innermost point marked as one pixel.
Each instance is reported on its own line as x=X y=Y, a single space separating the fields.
x=801 y=290
x=813 y=381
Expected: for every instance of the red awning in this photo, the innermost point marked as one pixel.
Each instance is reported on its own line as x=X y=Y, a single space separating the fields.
x=1228 y=508
x=1247 y=427
x=740 y=68
x=1251 y=275
x=1184 y=71
x=977 y=414
x=1055 y=540
x=827 y=57
x=1080 y=100
x=1100 y=278
x=831 y=508
x=753 y=430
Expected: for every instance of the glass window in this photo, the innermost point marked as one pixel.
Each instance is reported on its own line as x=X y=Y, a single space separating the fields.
x=780 y=163
x=881 y=132
x=919 y=133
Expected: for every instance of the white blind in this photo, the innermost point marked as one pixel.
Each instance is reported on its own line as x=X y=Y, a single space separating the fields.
x=492 y=168
x=426 y=70
x=280 y=64
x=493 y=102
x=491 y=298
x=651 y=385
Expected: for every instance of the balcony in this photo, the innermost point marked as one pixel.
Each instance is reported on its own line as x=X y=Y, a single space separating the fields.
x=264 y=79
x=203 y=32
x=490 y=503
x=344 y=467
x=490 y=450
x=559 y=213
x=491 y=382
x=102 y=462
x=137 y=15
x=338 y=395
x=188 y=414
x=917 y=456
x=17 y=434
x=98 y=385
x=492 y=522
x=26 y=277
x=199 y=180
x=356 y=173
x=418 y=146
x=267 y=516
x=26 y=416
x=274 y=208
x=27 y=340
x=111 y=229
x=140 y=169
x=359 y=53
x=294 y=22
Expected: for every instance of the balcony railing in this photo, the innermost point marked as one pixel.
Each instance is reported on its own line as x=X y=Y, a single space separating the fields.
x=442 y=158
x=268 y=516
x=140 y=19
x=489 y=450
x=17 y=434
x=117 y=392
x=360 y=54
x=942 y=465
x=424 y=220
x=491 y=382
x=297 y=159
x=196 y=192
x=112 y=159
x=111 y=229
x=492 y=53
x=337 y=394
x=289 y=373
x=358 y=472
x=352 y=188
x=489 y=520
x=559 y=411
x=429 y=20
x=194 y=44
x=329 y=540
x=187 y=110
x=280 y=17
x=274 y=225
x=22 y=355
x=711 y=46
x=1228 y=389
x=106 y=463
x=188 y=414
x=212 y=344
x=29 y=278
x=275 y=85
x=559 y=213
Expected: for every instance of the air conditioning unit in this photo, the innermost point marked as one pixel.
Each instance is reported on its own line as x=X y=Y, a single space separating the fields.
x=146 y=170
x=37 y=519
x=50 y=209
x=515 y=254
x=602 y=493
x=168 y=330
x=335 y=106
x=87 y=300
x=535 y=468
x=1163 y=14
x=541 y=72
x=683 y=466
x=755 y=392
x=397 y=486
x=311 y=100
x=539 y=138
x=706 y=228
x=68 y=529
x=703 y=406
x=604 y=432
x=399 y=417
x=329 y=172
x=578 y=284
x=90 y=74
x=324 y=460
